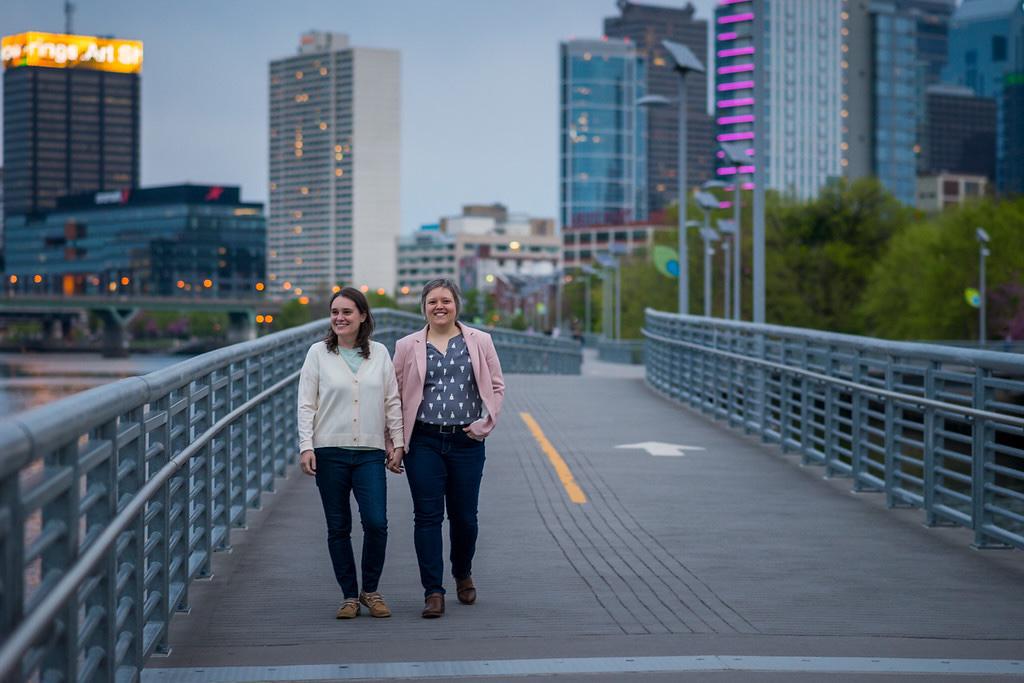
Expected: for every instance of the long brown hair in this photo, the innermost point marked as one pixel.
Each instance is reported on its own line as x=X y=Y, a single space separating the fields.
x=365 y=328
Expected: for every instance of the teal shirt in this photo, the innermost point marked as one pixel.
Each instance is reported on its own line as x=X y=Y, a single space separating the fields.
x=351 y=357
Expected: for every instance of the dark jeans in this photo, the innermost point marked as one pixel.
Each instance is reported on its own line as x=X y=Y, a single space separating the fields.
x=340 y=472
x=444 y=470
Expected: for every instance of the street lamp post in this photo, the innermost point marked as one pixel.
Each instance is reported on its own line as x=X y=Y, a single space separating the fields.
x=684 y=61
x=983 y=253
x=728 y=226
x=737 y=155
x=707 y=203
x=726 y=275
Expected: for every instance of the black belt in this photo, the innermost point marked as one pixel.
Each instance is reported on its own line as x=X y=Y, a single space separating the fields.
x=439 y=429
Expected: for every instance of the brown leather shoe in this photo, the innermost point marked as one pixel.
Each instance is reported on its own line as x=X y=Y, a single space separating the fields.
x=466 y=591
x=434 y=606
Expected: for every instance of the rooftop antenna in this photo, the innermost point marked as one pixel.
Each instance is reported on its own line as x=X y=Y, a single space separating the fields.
x=69 y=9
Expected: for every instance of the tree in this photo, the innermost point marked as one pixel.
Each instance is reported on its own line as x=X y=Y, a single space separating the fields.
x=917 y=287
x=820 y=255
x=293 y=314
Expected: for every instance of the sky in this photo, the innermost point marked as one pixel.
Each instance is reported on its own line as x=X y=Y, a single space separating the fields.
x=479 y=86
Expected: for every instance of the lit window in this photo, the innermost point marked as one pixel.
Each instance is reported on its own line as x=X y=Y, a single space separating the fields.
x=207 y=283
x=323 y=125
x=323 y=71
x=298 y=75
x=338 y=172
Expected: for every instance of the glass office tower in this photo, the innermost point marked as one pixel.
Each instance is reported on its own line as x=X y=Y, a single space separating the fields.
x=603 y=155
x=646 y=26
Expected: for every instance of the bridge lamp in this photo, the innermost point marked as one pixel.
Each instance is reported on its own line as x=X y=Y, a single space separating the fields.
x=260 y=286
x=731 y=227
x=381 y=291
x=983 y=253
x=14 y=279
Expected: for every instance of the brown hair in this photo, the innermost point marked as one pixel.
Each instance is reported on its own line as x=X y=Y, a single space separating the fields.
x=365 y=328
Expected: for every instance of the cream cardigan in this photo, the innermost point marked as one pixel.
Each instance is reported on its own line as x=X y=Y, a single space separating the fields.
x=337 y=408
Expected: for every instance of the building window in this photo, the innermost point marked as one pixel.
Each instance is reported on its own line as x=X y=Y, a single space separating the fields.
x=998 y=48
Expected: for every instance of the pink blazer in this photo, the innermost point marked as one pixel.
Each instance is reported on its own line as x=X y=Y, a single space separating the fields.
x=411 y=366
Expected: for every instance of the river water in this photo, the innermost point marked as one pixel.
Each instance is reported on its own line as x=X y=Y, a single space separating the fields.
x=28 y=380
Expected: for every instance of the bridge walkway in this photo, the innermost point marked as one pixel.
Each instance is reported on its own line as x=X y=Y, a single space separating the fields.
x=732 y=550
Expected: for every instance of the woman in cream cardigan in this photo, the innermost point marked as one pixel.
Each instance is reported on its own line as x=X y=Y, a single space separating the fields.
x=348 y=403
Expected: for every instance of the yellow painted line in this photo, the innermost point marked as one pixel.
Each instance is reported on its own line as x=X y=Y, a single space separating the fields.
x=563 y=471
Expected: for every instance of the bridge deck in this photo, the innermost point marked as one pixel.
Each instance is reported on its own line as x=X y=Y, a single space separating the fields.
x=734 y=550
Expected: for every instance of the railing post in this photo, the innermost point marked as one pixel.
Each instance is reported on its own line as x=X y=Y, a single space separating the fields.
x=201 y=562
x=830 y=426
x=930 y=477
x=981 y=476
x=131 y=606
x=61 y=662
x=160 y=532
x=180 y=495
x=890 y=435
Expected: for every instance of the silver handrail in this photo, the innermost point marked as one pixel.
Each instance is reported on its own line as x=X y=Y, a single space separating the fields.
x=932 y=427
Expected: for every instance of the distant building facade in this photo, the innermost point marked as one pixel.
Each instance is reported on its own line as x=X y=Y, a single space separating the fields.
x=881 y=95
x=582 y=246
x=71 y=117
x=422 y=257
x=646 y=26
x=937 y=192
x=603 y=159
x=334 y=167
x=986 y=54
x=802 y=68
x=183 y=240
x=960 y=132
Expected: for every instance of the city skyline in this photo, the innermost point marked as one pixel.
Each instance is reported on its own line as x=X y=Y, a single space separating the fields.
x=476 y=83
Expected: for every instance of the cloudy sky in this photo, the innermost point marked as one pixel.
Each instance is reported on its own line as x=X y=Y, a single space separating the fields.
x=479 y=86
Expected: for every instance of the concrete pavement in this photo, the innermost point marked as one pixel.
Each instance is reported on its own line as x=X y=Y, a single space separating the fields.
x=733 y=550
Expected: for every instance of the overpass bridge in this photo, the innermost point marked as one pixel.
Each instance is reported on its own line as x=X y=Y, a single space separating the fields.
x=757 y=503
x=117 y=310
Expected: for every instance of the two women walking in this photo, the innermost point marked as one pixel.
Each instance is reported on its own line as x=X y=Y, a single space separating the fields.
x=426 y=414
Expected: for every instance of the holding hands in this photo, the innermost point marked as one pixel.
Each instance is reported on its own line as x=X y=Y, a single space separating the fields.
x=394 y=460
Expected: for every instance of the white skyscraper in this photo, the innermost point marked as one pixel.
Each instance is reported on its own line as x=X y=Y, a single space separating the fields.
x=334 y=167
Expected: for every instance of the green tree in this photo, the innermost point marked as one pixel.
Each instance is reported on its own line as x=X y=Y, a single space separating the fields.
x=917 y=287
x=819 y=256
x=294 y=314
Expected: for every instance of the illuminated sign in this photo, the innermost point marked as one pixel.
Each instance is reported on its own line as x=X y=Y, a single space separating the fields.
x=59 y=51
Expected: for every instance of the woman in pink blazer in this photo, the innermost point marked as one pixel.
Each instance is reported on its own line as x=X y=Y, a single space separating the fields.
x=451 y=385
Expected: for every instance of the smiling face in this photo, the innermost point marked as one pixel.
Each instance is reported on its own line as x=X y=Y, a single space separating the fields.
x=440 y=308
x=345 y=320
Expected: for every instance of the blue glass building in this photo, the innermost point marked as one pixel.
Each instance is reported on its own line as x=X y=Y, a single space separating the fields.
x=986 y=54
x=895 y=98
x=603 y=154
x=187 y=240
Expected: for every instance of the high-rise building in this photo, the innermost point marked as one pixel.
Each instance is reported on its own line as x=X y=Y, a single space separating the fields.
x=603 y=152
x=801 y=69
x=931 y=19
x=71 y=117
x=646 y=26
x=881 y=101
x=960 y=134
x=334 y=167
x=986 y=54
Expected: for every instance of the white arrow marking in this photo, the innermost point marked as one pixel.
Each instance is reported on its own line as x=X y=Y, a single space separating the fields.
x=658 y=448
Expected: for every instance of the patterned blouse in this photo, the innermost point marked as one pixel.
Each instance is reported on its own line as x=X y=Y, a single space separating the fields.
x=450 y=394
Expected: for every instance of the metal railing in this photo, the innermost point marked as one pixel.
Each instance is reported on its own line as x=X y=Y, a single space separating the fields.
x=936 y=428
x=113 y=500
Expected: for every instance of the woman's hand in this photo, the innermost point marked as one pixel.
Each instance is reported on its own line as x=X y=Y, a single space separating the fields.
x=469 y=432
x=307 y=462
x=394 y=460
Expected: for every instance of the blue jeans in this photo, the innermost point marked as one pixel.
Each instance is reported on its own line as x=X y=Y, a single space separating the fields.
x=339 y=473
x=444 y=471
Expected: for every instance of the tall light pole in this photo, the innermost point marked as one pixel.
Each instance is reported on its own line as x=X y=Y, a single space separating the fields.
x=684 y=61
x=737 y=155
x=727 y=226
x=707 y=203
x=726 y=276
x=983 y=253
